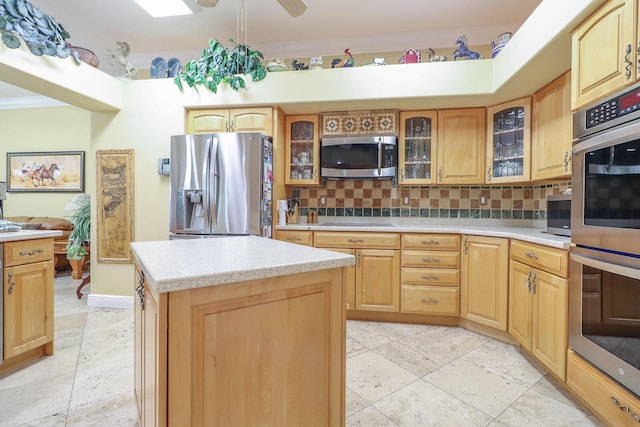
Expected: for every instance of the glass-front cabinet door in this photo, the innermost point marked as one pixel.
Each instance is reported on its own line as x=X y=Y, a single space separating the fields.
x=417 y=147
x=302 y=150
x=509 y=142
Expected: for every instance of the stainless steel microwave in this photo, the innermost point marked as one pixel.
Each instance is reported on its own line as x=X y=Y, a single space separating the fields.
x=359 y=157
x=559 y=214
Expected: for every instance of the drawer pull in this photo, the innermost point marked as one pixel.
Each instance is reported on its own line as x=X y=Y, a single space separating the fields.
x=429 y=300
x=430 y=242
x=11 y=282
x=355 y=240
x=625 y=409
x=294 y=239
x=431 y=260
x=430 y=277
x=531 y=255
x=30 y=253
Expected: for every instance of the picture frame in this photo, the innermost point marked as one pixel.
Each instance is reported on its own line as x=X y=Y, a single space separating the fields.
x=45 y=172
x=115 y=172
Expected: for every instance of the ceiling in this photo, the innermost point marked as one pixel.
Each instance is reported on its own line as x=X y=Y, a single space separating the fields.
x=326 y=28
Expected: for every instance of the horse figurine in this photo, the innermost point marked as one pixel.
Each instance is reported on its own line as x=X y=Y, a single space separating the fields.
x=462 y=50
x=435 y=58
x=121 y=55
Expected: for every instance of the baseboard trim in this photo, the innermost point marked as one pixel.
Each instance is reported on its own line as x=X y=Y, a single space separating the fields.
x=109 y=301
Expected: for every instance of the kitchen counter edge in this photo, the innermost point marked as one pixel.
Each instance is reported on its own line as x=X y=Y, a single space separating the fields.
x=175 y=265
x=11 y=236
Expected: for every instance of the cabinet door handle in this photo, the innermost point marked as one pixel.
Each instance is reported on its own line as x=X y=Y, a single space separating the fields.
x=11 y=282
x=533 y=283
x=529 y=281
x=532 y=255
x=638 y=56
x=466 y=246
x=401 y=174
x=429 y=300
x=489 y=174
x=627 y=61
x=567 y=158
x=140 y=289
x=232 y=126
x=625 y=409
x=440 y=174
x=358 y=259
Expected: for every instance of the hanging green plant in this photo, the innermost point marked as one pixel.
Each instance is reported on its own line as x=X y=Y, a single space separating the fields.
x=219 y=64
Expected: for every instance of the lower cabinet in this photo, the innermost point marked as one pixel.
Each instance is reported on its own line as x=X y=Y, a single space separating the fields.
x=262 y=351
x=376 y=285
x=430 y=274
x=538 y=317
x=485 y=280
x=28 y=296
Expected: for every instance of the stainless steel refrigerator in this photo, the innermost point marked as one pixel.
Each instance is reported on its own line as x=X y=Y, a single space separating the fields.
x=221 y=185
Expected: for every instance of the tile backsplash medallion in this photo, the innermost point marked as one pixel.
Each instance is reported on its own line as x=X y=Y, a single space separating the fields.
x=380 y=198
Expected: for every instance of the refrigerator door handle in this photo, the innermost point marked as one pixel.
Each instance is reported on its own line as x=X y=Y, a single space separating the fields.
x=212 y=183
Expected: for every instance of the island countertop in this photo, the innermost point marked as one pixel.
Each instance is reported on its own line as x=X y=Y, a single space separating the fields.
x=10 y=236
x=174 y=265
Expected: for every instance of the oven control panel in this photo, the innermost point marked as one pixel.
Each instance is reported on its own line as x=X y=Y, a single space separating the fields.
x=615 y=107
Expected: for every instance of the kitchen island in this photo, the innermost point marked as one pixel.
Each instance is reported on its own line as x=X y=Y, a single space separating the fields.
x=239 y=331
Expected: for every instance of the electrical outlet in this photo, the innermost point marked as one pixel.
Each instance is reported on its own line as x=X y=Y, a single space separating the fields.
x=483 y=200
x=406 y=200
x=322 y=201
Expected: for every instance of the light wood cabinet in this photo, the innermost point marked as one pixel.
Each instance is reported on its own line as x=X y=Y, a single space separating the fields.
x=552 y=130
x=302 y=150
x=508 y=144
x=461 y=146
x=485 y=280
x=376 y=276
x=28 y=296
x=150 y=353
x=258 y=119
x=604 y=52
x=430 y=274
x=538 y=308
x=417 y=147
x=248 y=353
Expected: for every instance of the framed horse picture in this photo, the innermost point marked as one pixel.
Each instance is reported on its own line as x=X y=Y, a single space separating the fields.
x=52 y=171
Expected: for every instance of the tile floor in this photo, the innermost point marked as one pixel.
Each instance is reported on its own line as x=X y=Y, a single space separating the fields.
x=397 y=375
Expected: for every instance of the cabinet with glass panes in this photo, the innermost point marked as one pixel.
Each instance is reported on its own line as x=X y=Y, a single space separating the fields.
x=509 y=142
x=302 y=150
x=417 y=147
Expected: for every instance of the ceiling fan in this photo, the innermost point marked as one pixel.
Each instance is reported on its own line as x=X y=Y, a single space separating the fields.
x=293 y=7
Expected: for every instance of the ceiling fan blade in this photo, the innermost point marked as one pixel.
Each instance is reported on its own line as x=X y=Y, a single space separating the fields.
x=294 y=7
x=206 y=3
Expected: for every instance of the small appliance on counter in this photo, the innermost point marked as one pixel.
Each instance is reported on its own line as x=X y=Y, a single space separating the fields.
x=3 y=196
x=559 y=214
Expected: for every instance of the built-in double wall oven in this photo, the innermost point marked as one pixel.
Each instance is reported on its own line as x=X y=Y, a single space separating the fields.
x=604 y=292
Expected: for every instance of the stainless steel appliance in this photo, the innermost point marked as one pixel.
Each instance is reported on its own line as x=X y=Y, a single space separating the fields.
x=559 y=214
x=604 y=293
x=221 y=185
x=359 y=157
x=2 y=304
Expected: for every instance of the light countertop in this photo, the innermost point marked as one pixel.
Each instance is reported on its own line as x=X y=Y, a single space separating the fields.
x=508 y=229
x=174 y=265
x=10 y=236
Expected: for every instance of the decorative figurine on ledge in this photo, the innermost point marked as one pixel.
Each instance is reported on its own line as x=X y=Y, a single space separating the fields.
x=121 y=55
x=347 y=61
x=463 y=52
x=295 y=65
x=435 y=58
x=315 y=63
x=276 y=64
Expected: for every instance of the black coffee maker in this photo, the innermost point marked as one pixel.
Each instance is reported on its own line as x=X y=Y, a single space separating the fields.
x=3 y=196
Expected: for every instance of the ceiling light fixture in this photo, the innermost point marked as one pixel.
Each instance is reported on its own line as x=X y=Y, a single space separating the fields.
x=160 y=8
x=294 y=7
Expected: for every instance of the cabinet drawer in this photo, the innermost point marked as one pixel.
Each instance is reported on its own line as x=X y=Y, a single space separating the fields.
x=554 y=261
x=299 y=237
x=346 y=239
x=431 y=241
x=430 y=276
x=438 y=259
x=27 y=251
x=604 y=395
x=440 y=300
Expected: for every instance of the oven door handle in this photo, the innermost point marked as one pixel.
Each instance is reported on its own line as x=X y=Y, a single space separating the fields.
x=606 y=266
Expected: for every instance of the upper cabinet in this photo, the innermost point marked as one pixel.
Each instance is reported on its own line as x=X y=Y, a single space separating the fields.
x=231 y=120
x=302 y=148
x=604 y=52
x=417 y=147
x=508 y=142
x=461 y=137
x=551 y=141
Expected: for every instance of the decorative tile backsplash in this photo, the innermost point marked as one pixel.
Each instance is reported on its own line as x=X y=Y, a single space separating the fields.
x=379 y=198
